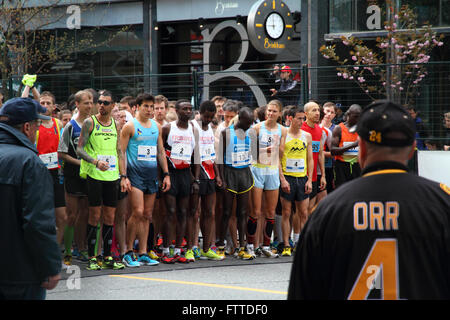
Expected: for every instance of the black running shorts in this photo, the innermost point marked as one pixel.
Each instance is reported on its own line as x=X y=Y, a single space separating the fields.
x=58 y=189
x=180 y=183
x=102 y=192
x=238 y=180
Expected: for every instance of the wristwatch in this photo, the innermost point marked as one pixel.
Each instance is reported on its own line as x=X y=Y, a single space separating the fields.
x=165 y=174
x=123 y=176
x=197 y=182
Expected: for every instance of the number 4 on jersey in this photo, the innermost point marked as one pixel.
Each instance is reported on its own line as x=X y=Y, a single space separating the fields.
x=381 y=261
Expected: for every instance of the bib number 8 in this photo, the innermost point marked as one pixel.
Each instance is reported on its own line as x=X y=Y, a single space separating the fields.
x=381 y=261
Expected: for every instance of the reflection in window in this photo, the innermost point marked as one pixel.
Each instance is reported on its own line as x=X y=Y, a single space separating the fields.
x=341 y=12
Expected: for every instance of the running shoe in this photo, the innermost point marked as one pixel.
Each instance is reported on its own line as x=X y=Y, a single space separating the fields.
x=244 y=255
x=258 y=252
x=268 y=253
x=109 y=263
x=179 y=259
x=167 y=259
x=184 y=242
x=129 y=259
x=197 y=254
x=159 y=240
x=153 y=255
x=286 y=252
x=99 y=260
x=83 y=256
x=221 y=251
x=93 y=264
x=189 y=256
x=211 y=255
x=145 y=260
x=68 y=260
x=251 y=251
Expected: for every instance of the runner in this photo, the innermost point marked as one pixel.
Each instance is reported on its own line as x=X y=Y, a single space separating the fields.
x=267 y=177
x=75 y=187
x=297 y=166
x=230 y=109
x=101 y=161
x=143 y=144
x=345 y=147
x=237 y=179
x=208 y=176
x=47 y=141
x=179 y=142
x=311 y=125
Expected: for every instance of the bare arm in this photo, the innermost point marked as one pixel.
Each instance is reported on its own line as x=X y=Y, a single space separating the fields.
x=86 y=130
x=335 y=149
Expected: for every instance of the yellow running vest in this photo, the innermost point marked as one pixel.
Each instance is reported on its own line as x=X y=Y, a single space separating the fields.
x=102 y=145
x=294 y=157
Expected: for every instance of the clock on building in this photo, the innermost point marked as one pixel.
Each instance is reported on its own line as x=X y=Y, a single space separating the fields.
x=270 y=26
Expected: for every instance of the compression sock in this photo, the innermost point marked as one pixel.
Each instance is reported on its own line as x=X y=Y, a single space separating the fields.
x=107 y=235
x=252 y=225
x=151 y=234
x=68 y=239
x=268 y=232
x=91 y=236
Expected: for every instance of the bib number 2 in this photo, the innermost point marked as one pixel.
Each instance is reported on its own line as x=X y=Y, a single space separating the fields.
x=380 y=271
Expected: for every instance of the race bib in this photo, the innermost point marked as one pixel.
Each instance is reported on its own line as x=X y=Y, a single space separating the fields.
x=295 y=165
x=110 y=159
x=315 y=146
x=352 y=151
x=50 y=160
x=146 y=153
x=207 y=152
x=240 y=157
x=181 y=151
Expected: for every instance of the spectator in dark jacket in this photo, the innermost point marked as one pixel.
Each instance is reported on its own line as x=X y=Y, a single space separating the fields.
x=288 y=90
x=27 y=219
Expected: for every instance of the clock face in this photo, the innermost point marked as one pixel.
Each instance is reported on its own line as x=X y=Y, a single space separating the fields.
x=270 y=26
x=274 y=25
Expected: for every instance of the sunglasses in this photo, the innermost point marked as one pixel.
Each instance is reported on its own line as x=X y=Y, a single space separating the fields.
x=106 y=103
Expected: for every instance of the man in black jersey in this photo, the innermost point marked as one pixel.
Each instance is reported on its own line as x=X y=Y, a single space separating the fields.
x=384 y=235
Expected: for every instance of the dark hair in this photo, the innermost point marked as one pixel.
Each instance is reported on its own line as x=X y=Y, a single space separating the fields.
x=293 y=111
x=126 y=99
x=144 y=97
x=261 y=113
x=180 y=102
x=232 y=105
x=207 y=106
x=106 y=93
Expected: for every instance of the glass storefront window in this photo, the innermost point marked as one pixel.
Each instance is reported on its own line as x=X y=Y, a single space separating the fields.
x=445 y=13
x=341 y=13
x=353 y=15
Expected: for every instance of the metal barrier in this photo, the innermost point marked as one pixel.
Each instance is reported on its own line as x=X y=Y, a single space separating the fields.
x=253 y=87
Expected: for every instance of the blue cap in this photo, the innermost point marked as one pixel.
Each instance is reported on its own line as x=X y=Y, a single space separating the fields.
x=21 y=110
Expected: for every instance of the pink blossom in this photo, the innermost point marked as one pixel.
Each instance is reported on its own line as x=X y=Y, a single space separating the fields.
x=326 y=57
x=339 y=74
x=361 y=79
x=345 y=75
x=345 y=43
x=354 y=58
x=440 y=43
x=396 y=16
x=356 y=68
x=401 y=88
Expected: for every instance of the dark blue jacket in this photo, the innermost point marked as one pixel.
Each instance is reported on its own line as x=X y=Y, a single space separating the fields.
x=27 y=214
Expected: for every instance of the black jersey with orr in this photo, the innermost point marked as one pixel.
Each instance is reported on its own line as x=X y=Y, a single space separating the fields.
x=385 y=235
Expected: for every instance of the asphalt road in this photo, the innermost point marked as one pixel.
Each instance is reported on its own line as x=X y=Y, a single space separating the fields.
x=231 y=279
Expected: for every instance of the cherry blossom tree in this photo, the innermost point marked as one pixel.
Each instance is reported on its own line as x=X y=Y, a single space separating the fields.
x=398 y=63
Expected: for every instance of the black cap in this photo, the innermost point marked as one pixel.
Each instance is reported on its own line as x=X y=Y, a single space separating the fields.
x=386 y=123
x=21 y=110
